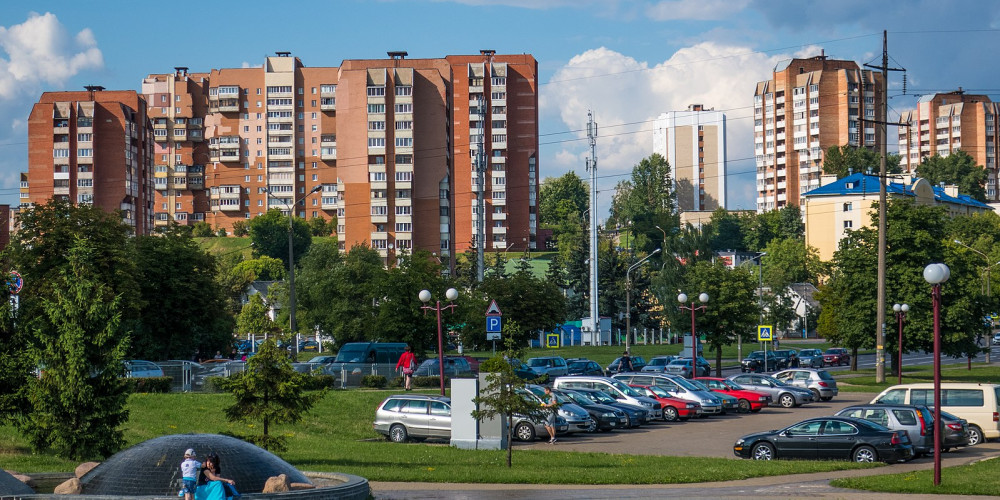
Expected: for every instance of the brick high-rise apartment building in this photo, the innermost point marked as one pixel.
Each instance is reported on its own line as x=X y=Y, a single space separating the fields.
x=944 y=123
x=808 y=106
x=694 y=143
x=93 y=147
x=383 y=141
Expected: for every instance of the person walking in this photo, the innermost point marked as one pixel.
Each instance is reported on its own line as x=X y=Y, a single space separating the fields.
x=625 y=364
x=550 y=422
x=408 y=363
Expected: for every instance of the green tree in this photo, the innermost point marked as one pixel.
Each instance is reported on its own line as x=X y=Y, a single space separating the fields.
x=725 y=231
x=840 y=160
x=241 y=228
x=501 y=396
x=537 y=303
x=269 y=391
x=269 y=236
x=253 y=318
x=647 y=199
x=732 y=308
x=78 y=400
x=319 y=227
x=790 y=260
x=202 y=229
x=958 y=169
x=175 y=274
x=341 y=294
x=398 y=314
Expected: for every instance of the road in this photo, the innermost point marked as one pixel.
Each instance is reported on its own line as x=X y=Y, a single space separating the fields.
x=709 y=437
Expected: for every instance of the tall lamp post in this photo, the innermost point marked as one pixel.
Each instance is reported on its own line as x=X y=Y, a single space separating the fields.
x=901 y=310
x=425 y=296
x=628 y=294
x=683 y=298
x=936 y=274
x=291 y=261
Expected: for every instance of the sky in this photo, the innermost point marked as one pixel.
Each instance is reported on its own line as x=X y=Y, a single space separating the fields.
x=625 y=60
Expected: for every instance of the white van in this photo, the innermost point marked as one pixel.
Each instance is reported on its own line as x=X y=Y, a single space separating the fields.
x=976 y=403
x=614 y=388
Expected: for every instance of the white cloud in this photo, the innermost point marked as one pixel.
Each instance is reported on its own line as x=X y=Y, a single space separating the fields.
x=248 y=65
x=626 y=95
x=700 y=10
x=40 y=52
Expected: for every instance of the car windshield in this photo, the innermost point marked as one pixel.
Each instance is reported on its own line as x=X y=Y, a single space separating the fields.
x=353 y=354
x=577 y=365
x=699 y=385
x=658 y=362
x=809 y=352
x=577 y=398
x=756 y=355
x=685 y=383
x=659 y=391
x=600 y=397
x=681 y=362
x=732 y=385
x=872 y=426
x=825 y=375
x=775 y=381
x=538 y=362
x=626 y=390
x=833 y=351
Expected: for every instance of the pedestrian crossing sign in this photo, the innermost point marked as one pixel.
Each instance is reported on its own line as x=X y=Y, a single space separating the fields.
x=764 y=333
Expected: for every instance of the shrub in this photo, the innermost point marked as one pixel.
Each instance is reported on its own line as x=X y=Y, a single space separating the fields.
x=373 y=381
x=149 y=384
x=434 y=381
x=241 y=228
x=322 y=381
x=214 y=384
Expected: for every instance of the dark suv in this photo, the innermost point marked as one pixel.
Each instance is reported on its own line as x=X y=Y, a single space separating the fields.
x=754 y=362
x=790 y=356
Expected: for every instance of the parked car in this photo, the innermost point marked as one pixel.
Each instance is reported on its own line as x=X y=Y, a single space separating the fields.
x=755 y=362
x=786 y=395
x=576 y=417
x=137 y=368
x=729 y=403
x=638 y=362
x=454 y=367
x=308 y=346
x=828 y=438
x=837 y=356
x=977 y=403
x=820 y=382
x=473 y=362
x=811 y=358
x=790 y=356
x=674 y=408
x=917 y=421
x=955 y=430
x=634 y=415
x=583 y=366
x=748 y=401
x=615 y=388
x=605 y=416
x=553 y=366
x=413 y=416
x=678 y=387
x=527 y=374
x=323 y=360
x=682 y=367
x=996 y=338
x=658 y=364
x=527 y=429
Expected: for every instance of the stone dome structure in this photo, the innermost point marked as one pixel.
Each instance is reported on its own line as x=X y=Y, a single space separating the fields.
x=152 y=468
x=10 y=486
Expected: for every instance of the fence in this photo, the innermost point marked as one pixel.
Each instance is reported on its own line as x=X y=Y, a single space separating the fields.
x=188 y=376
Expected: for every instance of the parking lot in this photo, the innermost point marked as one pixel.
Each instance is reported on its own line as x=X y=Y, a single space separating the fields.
x=714 y=436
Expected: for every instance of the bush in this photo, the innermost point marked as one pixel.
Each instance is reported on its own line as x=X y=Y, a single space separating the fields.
x=214 y=384
x=149 y=384
x=318 y=382
x=434 y=381
x=241 y=228
x=373 y=381
x=201 y=229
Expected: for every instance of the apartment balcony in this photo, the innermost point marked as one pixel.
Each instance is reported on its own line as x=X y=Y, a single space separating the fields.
x=280 y=93
x=160 y=124
x=475 y=89
x=404 y=202
x=378 y=235
x=404 y=185
x=328 y=152
x=229 y=207
x=780 y=149
x=58 y=190
x=196 y=135
x=499 y=216
x=780 y=137
x=499 y=201
x=499 y=245
x=499 y=230
x=63 y=129
x=758 y=128
x=328 y=104
x=280 y=156
x=196 y=181
x=229 y=92
x=378 y=185
x=60 y=176
x=229 y=105
x=380 y=219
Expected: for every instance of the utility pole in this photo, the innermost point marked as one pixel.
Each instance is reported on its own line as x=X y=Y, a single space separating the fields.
x=595 y=319
x=481 y=191
x=883 y=179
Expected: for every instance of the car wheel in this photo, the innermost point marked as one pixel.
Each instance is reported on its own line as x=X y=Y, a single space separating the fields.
x=670 y=414
x=975 y=435
x=828 y=398
x=786 y=400
x=745 y=406
x=816 y=396
x=398 y=434
x=525 y=432
x=864 y=454
x=592 y=425
x=762 y=451
x=628 y=421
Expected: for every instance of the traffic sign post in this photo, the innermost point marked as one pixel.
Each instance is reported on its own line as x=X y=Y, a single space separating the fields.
x=765 y=334
x=552 y=340
x=494 y=324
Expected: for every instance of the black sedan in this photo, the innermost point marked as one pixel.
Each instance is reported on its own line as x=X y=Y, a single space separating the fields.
x=605 y=417
x=828 y=438
x=635 y=415
x=581 y=366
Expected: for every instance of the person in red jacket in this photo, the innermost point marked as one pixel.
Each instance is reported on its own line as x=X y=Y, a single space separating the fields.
x=408 y=362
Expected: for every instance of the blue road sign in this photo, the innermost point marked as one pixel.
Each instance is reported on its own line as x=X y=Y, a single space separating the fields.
x=764 y=333
x=494 y=324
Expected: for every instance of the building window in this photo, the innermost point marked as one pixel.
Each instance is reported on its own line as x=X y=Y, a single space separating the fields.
x=60 y=153
x=376 y=125
x=403 y=107
x=85 y=152
x=848 y=224
x=374 y=91
x=404 y=142
x=376 y=142
x=85 y=182
x=848 y=207
x=404 y=227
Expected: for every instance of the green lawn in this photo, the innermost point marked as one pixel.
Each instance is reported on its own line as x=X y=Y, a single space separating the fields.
x=981 y=478
x=337 y=436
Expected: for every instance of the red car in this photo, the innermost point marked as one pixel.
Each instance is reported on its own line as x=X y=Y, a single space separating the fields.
x=836 y=356
x=673 y=409
x=749 y=401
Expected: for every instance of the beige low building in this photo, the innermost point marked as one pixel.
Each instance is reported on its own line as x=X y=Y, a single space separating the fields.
x=842 y=205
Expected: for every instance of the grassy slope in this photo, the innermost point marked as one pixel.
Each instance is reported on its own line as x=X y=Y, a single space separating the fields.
x=981 y=478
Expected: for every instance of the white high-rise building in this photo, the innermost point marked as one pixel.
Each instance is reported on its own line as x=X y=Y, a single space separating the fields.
x=694 y=143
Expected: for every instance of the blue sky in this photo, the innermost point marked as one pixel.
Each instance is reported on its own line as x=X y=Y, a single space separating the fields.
x=627 y=60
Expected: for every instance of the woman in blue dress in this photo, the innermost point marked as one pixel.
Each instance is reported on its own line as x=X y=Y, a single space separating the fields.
x=211 y=484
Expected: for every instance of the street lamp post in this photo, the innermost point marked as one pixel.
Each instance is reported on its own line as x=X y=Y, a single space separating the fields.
x=628 y=294
x=936 y=274
x=291 y=262
x=425 y=296
x=683 y=298
x=901 y=310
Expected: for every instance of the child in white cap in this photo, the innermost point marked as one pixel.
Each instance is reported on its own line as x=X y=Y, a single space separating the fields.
x=189 y=473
